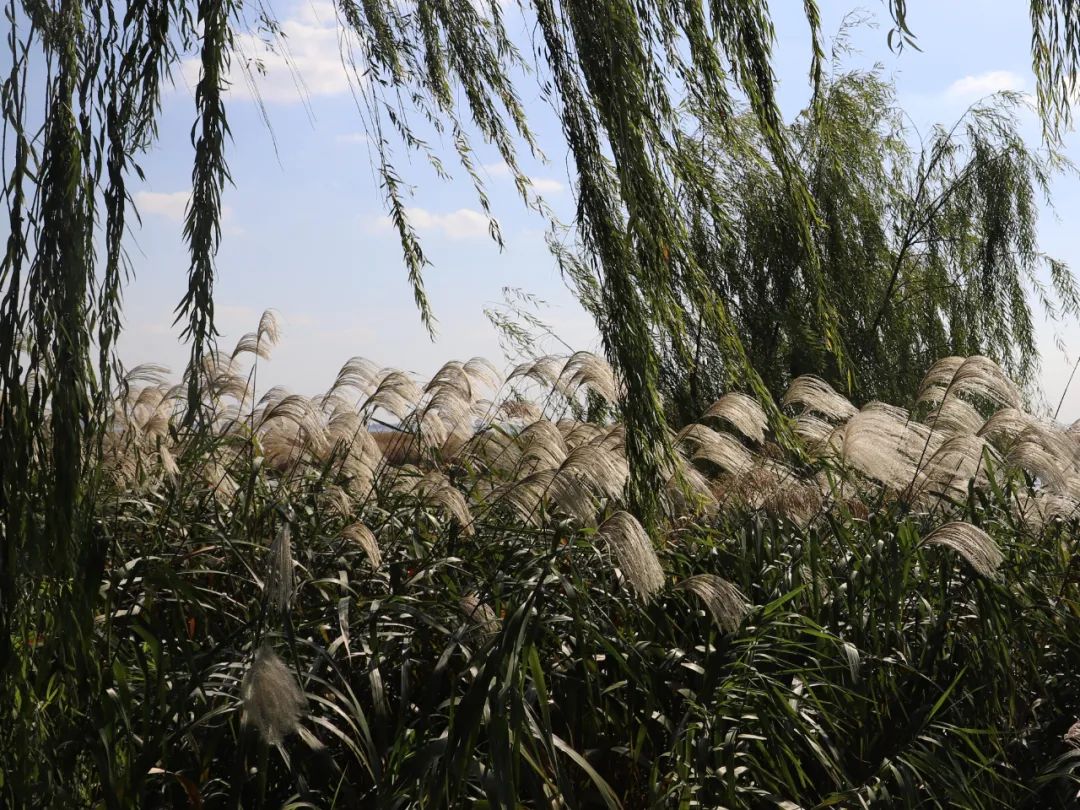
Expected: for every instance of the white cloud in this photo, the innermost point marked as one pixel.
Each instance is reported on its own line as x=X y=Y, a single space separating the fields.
x=305 y=62
x=542 y=185
x=352 y=137
x=977 y=86
x=170 y=205
x=546 y=185
x=464 y=223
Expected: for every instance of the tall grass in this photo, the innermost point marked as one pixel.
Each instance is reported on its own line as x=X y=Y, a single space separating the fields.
x=298 y=611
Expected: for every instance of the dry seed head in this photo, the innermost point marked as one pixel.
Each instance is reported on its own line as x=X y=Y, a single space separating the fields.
x=435 y=489
x=481 y=614
x=743 y=412
x=634 y=552
x=576 y=433
x=816 y=433
x=973 y=544
x=1006 y=423
x=544 y=370
x=281 y=581
x=1072 y=736
x=722 y=449
x=481 y=370
x=975 y=375
x=939 y=376
x=395 y=393
x=958 y=461
x=883 y=443
x=586 y=370
x=687 y=491
x=1042 y=454
x=365 y=538
x=269 y=329
x=358 y=373
x=817 y=396
x=955 y=417
x=724 y=602
x=273 y=701
x=150 y=373
x=168 y=463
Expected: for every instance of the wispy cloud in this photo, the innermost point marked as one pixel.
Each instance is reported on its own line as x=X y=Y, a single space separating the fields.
x=170 y=205
x=305 y=61
x=464 y=223
x=972 y=87
x=352 y=137
x=542 y=185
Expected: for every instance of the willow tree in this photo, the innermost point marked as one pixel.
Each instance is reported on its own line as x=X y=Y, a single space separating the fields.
x=81 y=101
x=925 y=247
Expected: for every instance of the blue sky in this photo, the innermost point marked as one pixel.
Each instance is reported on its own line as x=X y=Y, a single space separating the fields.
x=305 y=230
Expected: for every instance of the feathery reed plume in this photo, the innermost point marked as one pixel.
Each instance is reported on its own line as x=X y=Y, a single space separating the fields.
x=434 y=489
x=576 y=433
x=724 y=602
x=220 y=482
x=972 y=544
x=956 y=462
x=359 y=374
x=273 y=702
x=743 y=412
x=586 y=370
x=280 y=582
x=955 y=417
x=883 y=443
x=939 y=375
x=1072 y=736
x=542 y=445
x=635 y=553
x=481 y=614
x=269 y=329
x=249 y=343
x=722 y=449
x=976 y=375
x=151 y=373
x=365 y=538
x=817 y=396
x=1046 y=454
x=688 y=492
x=544 y=370
x=168 y=463
x=818 y=435
x=1007 y=424
x=481 y=370
x=298 y=418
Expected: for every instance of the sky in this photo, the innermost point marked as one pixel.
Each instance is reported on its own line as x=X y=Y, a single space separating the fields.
x=306 y=233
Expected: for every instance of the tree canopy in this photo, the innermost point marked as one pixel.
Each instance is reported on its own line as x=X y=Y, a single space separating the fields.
x=925 y=251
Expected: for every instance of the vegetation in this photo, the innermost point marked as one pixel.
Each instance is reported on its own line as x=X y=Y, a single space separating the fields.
x=289 y=618
x=549 y=598
x=923 y=253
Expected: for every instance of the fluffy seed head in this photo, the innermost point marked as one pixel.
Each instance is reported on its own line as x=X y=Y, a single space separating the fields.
x=273 y=701
x=365 y=538
x=724 y=602
x=744 y=413
x=634 y=552
x=281 y=584
x=480 y=613
x=816 y=395
x=973 y=544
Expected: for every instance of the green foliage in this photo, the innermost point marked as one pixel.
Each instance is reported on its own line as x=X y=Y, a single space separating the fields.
x=492 y=656
x=924 y=252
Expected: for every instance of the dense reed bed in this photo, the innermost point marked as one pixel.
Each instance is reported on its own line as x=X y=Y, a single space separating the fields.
x=407 y=594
